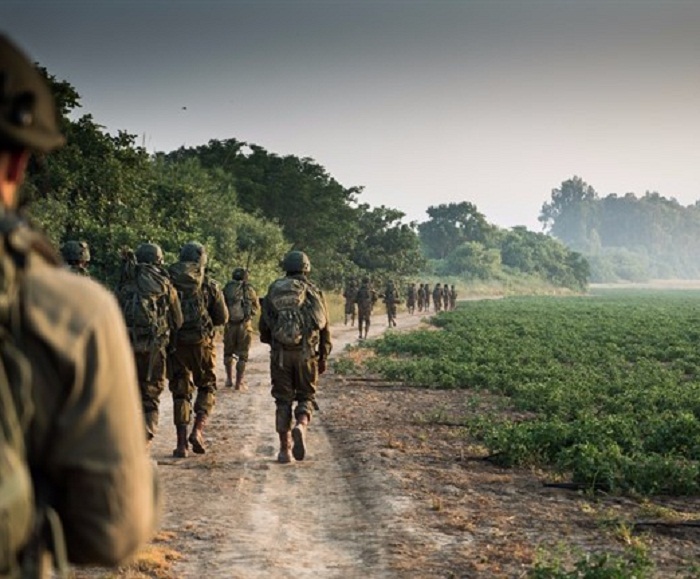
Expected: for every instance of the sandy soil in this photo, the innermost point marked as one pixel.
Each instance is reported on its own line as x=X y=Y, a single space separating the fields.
x=390 y=487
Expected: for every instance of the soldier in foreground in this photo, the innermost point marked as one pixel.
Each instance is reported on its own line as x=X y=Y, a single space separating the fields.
x=77 y=255
x=294 y=322
x=242 y=303
x=193 y=362
x=365 y=299
x=81 y=426
x=152 y=313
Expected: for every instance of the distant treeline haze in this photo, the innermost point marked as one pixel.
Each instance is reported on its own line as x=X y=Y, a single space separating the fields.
x=626 y=237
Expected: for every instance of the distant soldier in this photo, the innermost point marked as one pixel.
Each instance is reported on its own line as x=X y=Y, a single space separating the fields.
x=391 y=299
x=437 y=297
x=76 y=254
x=426 y=287
x=194 y=360
x=411 y=298
x=453 y=297
x=365 y=299
x=349 y=294
x=445 y=297
x=420 y=297
x=242 y=303
x=152 y=313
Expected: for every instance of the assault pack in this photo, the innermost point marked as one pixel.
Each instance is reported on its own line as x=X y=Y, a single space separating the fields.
x=144 y=301
x=239 y=308
x=295 y=309
x=188 y=279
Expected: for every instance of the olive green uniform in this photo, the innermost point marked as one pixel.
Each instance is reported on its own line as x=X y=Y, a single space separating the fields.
x=192 y=364
x=294 y=371
x=365 y=299
x=238 y=335
x=85 y=440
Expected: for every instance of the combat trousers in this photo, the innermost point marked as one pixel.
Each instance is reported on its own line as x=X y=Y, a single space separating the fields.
x=193 y=366
x=237 y=340
x=294 y=375
x=152 y=386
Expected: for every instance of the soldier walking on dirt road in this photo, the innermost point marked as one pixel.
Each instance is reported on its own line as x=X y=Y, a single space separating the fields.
x=193 y=362
x=242 y=303
x=294 y=322
x=365 y=299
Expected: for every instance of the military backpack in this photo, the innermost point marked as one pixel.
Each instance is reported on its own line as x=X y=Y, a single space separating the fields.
x=237 y=301
x=144 y=302
x=188 y=279
x=295 y=309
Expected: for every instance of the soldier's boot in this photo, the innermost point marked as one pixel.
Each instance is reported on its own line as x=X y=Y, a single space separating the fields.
x=228 y=366
x=240 y=383
x=284 y=456
x=298 y=436
x=181 y=448
x=197 y=435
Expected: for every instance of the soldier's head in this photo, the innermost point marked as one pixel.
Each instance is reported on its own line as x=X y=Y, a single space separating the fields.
x=76 y=252
x=296 y=262
x=240 y=274
x=194 y=252
x=149 y=253
x=28 y=118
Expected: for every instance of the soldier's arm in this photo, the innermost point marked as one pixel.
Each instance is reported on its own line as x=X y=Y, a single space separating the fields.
x=263 y=326
x=176 y=318
x=217 y=305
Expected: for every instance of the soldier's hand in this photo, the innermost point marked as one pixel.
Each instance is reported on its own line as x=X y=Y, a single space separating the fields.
x=321 y=366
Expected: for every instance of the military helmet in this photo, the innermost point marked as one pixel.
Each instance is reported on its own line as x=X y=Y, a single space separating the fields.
x=239 y=273
x=296 y=262
x=27 y=110
x=74 y=251
x=195 y=252
x=149 y=253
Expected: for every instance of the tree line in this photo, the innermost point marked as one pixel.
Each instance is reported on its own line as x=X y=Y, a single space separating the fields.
x=626 y=237
x=249 y=206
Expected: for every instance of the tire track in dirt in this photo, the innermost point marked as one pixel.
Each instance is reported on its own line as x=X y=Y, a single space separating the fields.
x=236 y=513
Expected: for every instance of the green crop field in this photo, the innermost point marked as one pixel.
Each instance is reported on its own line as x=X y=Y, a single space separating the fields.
x=602 y=389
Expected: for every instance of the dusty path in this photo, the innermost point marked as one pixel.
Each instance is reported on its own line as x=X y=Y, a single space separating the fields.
x=235 y=512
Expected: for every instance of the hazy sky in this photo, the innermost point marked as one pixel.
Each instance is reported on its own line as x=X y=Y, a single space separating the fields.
x=494 y=102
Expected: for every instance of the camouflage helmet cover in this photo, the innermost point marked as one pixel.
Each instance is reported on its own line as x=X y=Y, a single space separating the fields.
x=239 y=273
x=194 y=252
x=27 y=110
x=73 y=250
x=149 y=253
x=296 y=262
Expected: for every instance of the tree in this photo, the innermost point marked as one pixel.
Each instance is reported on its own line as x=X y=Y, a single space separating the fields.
x=452 y=225
x=571 y=213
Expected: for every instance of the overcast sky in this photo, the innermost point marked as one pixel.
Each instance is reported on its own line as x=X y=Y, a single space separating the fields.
x=494 y=102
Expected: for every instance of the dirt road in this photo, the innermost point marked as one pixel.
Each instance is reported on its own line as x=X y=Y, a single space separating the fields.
x=236 y=513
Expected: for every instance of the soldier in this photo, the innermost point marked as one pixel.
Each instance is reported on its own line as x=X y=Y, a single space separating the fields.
x=420 y=297
x=151 y=309
x=411 y=298
x=426 y=286
x=349 y=295
x=391 y=298
x=365 y=299
x=453 y=297
x=445 y=297
x=242 y=303
x=82 y=428
x=437 y=297
x=294 y=322
x=76 y=254
x=193 y=362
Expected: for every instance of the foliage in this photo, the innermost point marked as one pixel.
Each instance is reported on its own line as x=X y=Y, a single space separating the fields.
x=610 y=384
x=626 y=237
x=634 y=562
